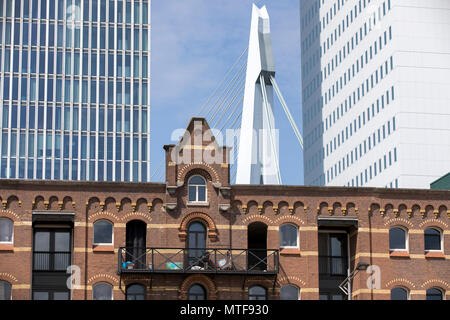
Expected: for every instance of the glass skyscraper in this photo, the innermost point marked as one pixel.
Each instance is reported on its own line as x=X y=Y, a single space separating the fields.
x=75 y=89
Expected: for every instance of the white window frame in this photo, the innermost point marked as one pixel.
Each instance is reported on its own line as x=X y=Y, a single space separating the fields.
x=196 y=190
x=103 y=243
x=12 y=232
x=406 y=239
x=441 y=236
x=298 y=237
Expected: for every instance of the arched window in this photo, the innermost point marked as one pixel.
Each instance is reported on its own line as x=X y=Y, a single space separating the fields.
x=257 y=293
x=288 y=236
x=6 y=230
x=398 y=239
x=5 y=290
x=289 y=292
x=196 y=292
x=433 y=239
x=103 y=291
x=135 y=292
x=103 y=232
x=197 y=189
x=196 y=242
x=399 y=293
x=435 y=294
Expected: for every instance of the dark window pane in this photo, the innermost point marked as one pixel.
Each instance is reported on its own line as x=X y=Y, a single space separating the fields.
x=42 y=241
x=289 y=293
x=103 y=231
x=135 y=292
x=5 y=290
x=397 y=238
x=432 y=239
x=257 y=293
x=434 y=294
x=102 y=291
x=60 y=296
x=399 y=294
x=37 y=295
x=196 y=292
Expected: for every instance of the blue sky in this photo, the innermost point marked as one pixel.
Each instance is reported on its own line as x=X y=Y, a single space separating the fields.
x=193 y=45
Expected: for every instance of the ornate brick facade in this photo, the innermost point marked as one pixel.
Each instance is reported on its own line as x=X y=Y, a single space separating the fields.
x=227 y=215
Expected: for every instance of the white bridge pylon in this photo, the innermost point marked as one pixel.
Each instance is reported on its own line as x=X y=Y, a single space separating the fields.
x=257 y=161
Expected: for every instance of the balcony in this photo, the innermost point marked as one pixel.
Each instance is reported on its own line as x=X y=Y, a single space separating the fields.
x=184 y=260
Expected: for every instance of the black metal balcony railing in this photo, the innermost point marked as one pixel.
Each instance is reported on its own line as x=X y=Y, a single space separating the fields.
x=51 y=261
x=333 y=266
x=184 y=260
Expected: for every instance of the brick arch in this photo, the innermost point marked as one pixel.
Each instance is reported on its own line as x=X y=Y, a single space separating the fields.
x=433 y=223
x=8 y=277
x=38 y=203
x=291 y=280
x=400 y=282
x=283 y=207
x=141 y=216
x=68 y=203
x=433 y=283
x=257 y=218
x=93 y=204
x=196 y=216
x=103 y=277
x=299 y=207
x=110 y=204
x=193 y=168
x=53 y=203
x=399 y=222
x=13 y=202
x=288 y=219
x=9 y=215
x=205 y=281
x=103 y=215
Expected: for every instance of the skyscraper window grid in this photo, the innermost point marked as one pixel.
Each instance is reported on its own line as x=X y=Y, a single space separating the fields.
x=63 y=94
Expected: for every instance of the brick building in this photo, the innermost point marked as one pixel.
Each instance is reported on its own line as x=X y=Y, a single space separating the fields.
x=197 y=236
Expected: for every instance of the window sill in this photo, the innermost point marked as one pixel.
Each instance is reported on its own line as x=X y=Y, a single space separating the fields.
x=290 y=252
x=197 y=204
x=7 y=247
x=399 y=254
x=434 y=255
x=103 y=248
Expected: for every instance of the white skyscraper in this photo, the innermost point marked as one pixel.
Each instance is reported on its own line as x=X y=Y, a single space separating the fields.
x=376 y=92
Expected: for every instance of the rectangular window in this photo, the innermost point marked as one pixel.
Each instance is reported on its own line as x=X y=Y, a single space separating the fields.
x=118 y=93
x=111 y=11
x=93 y=91
x=84 y=119
x=94 y=37
x=93 y=122
x=119 y=36
x=102 y=37
x=102 y=10
x=75 y=122
x=118 y=119
x=101 y=119
x=94 y=64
